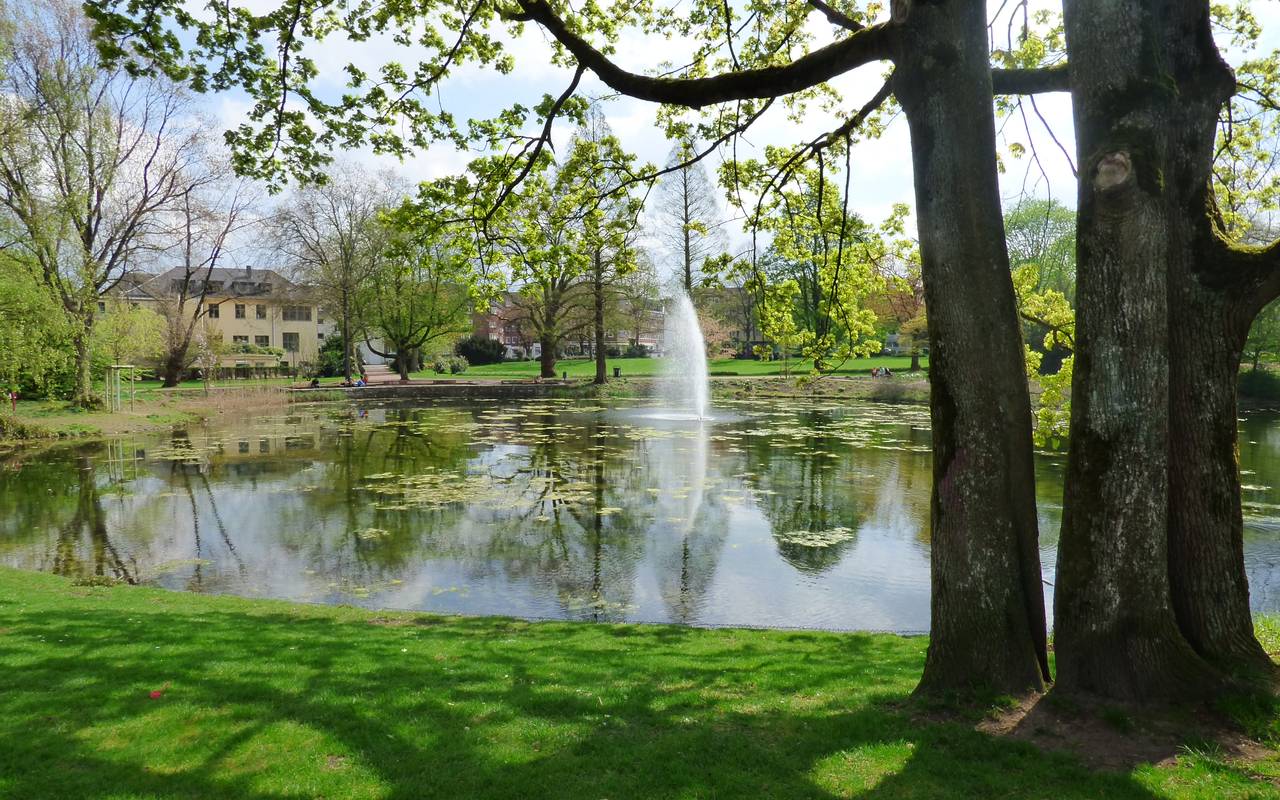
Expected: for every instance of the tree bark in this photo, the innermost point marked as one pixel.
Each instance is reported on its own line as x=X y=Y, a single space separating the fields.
x=597 y=287
x=346 y=336
x=82 y=394
x=174 y=364
x=548 y=357
x=1214 y=299
x=1115 y=630
x=987 y=607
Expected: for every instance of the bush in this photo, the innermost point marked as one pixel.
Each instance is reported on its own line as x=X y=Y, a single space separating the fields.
x=451 y=365
x=480 y=350
x=329 y=361
x=1260 y=384
x=636 y=351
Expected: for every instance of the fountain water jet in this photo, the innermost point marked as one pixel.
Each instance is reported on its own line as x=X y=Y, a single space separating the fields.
x=687 y=384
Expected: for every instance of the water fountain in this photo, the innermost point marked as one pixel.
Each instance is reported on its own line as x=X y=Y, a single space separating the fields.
x=685 y=368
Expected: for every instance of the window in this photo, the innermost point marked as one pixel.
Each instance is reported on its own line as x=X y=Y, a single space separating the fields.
x=261 y=311
x=262 y=341
x=239 y=310
x=240 y=339
x=297 y=313
x=213 y=311
x=320 y=336
x=291 y=342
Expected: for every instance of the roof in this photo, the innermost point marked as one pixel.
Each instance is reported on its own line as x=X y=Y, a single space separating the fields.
x=226 y=282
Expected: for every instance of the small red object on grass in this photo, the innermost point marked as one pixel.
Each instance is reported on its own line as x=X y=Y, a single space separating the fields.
x=156 y=694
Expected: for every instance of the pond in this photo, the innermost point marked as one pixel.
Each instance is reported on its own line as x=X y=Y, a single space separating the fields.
x=778 y=513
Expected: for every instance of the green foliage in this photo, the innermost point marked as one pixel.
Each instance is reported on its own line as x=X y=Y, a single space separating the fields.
x=480 y=350
x=1043 y=233
x=1259 y=384
x=1050 y=311
x=812 y=286
x=123 y=334
x=329 y=359
x=35 y=337
x=1263 y=342
x=14 y=429
x=449 y=365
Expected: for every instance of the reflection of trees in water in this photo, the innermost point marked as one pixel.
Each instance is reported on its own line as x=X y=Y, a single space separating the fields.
x=814 y=484
x=84 y=545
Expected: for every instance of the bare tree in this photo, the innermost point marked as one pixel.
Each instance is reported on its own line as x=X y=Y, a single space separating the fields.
x=639 y=293
x=93 y=160
x=212 y=209
x=330 y=237
x=688 y=216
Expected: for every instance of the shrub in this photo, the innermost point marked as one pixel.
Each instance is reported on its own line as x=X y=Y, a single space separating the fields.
x=1260 y=384
x=450 y=365
x=481 y=350
x=329 y=361
x=613 y=352
x=637 y=351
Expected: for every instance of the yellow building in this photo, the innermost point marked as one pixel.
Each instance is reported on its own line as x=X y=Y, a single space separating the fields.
x=248 y=307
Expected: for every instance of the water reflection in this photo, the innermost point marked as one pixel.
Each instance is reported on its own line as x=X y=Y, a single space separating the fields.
x=803 y=514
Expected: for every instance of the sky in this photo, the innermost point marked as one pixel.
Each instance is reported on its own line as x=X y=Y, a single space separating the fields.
x=881 y=168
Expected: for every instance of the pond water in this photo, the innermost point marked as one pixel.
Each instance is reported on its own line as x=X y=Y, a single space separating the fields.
x=790 y=514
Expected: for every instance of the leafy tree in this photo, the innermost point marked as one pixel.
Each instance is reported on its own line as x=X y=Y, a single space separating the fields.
x=480 y=350
x=828 y=256
x=91 y=161
x=1049 y=311
x=35 y=340
x=988 y=622
x=609 y=227
x=420 y=292
x=1264 y=335
x=331 y=237
x=1043 y=233
x=125 y=333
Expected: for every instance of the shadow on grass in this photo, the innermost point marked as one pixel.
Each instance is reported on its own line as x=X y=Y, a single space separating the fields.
x=275 y=705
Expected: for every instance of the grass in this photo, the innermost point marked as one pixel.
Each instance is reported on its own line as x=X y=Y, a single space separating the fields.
x=651 y=367
x=122 y=693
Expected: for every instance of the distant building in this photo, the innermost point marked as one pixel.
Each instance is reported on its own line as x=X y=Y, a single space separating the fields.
x=247 y=306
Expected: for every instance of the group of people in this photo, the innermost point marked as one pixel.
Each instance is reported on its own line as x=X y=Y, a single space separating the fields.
x=881 y=372
x=361 y=380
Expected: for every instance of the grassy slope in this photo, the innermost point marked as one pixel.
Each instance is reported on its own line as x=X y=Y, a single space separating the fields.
x=648 y=367
x=270 y=699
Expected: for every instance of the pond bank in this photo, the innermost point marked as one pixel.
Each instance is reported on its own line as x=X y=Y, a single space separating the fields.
x=152 y=410
x=163 y=694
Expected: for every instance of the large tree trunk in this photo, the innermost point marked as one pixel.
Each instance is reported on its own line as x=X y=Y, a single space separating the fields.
x=1115 y=630
x=174 y=364
x=82 y=394
x=598 y=296
x=1213 y=299
x=346 y=337
x=548 y=357
x=987 y=608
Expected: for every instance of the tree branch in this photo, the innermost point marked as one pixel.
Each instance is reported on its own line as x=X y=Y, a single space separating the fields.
x=1030 y=81
x=859 y=48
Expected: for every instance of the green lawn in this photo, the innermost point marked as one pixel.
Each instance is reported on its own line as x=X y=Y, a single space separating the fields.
x=649 y=367
x=137 y=693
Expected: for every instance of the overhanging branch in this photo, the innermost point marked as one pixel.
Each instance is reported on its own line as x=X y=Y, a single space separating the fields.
x=861 y=47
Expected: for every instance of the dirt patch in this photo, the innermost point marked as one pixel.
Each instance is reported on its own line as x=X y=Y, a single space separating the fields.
x=1118 y=738
x=404 y=622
